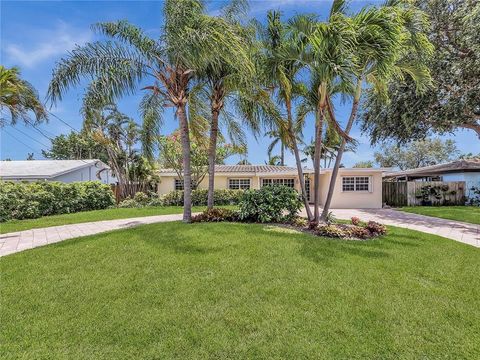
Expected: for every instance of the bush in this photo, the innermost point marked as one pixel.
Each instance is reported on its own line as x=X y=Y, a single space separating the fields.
x=216 y=215
x=270 y=204
x=32 y=200
x=199 y=197
x=333 y=231
x=359 y=232
x=355 y=220
x=375 y=228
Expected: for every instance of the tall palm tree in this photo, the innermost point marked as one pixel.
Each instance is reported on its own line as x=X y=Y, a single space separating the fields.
x=18 y=97
x=391 y=43
x=190 y=41
x=280 y=62
x=279 y=137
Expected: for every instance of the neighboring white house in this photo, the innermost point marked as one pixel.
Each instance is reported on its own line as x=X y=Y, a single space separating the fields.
x=467 y=170
x=66 y=171
x=355 y=188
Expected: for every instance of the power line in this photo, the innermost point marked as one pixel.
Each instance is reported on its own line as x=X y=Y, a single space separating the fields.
x=63 y=121
x=20 y=141
x=31 y=137
x=38 y=130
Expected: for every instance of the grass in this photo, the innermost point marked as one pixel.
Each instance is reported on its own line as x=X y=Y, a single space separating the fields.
x=241 y=291
x=469 y=214
x=87 y=216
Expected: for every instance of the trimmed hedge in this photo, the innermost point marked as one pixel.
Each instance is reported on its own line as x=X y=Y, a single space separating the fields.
x=32 y=200
x=199 y=197
x=270 y=204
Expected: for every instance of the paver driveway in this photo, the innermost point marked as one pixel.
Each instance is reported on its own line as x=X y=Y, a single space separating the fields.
x=22 y=240
x=18 y=241
x=455 y=230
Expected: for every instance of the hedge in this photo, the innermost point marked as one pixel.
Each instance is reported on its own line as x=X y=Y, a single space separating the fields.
x=199 y=197
x=23 y=200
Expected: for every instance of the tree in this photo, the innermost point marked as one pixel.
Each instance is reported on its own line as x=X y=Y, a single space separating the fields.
x=190 y=41
x=417 y=154
x=454 y=99
x=19 y=98
x=170 y=155
x=30 y=156
x=278 y=138
x=387 y=49
x=75 y=146
x=364 y=164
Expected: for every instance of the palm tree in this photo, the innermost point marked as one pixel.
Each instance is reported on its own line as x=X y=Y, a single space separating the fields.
x=19 y=98
x=391 y=42
x=190 y=41
x=279 y=137
x=280 y=63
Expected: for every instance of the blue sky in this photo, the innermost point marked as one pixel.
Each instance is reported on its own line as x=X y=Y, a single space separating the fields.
x=36 y=34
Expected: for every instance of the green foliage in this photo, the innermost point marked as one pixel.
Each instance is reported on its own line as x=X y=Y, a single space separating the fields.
x=376 y=228
x=270 y=204
x=199 y=197
x=32 y=200
x=332 y=231
x=364 y=164
x=75 y=146
x=216 y=215
x=417 y=154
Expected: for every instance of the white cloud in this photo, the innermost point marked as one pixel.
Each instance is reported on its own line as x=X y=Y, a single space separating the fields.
x=47 y=44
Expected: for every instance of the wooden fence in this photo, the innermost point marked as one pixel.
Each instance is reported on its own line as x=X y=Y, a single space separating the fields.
x=423 y=193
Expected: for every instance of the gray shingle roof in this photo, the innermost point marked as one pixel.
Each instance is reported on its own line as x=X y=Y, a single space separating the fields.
x=453 y=166
x=42 y=168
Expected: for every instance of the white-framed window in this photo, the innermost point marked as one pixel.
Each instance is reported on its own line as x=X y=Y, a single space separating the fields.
x=284 y=182
x=178 y=184
x=356 y=183
x=239 y=184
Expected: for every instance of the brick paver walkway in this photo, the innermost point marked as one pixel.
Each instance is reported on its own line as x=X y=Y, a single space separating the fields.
x=22 y=240
x=18 y=241
x=459 y=231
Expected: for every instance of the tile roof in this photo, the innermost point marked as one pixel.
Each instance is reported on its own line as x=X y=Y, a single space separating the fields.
x=253 y=169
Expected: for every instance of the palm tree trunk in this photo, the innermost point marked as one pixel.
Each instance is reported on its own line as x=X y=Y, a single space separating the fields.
x=282 y=153
x=298 y=162
x=341 y=150
x=316 y=166
x=187 y=175
x=212 y=150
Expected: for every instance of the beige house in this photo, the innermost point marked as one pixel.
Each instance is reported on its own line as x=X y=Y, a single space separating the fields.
x=355 y=188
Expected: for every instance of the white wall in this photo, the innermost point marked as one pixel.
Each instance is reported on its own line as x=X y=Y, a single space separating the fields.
x=471 y=179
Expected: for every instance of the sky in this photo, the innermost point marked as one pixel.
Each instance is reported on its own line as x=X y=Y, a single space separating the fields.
x=34 y=35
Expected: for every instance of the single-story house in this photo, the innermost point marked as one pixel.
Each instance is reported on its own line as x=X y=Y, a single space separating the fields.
x=355 y=188
x=467 y=170
x=66 y=171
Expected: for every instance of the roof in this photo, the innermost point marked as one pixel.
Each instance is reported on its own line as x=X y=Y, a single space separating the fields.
x=464 y=165
x=261 y=170
x=43 y=169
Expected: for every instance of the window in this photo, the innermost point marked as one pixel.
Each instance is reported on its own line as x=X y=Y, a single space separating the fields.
x=178 y=184
x=284 y=182
x=239 y=184
x=356 y=183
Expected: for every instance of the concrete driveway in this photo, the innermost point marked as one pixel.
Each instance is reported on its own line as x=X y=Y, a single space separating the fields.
x=459 y=231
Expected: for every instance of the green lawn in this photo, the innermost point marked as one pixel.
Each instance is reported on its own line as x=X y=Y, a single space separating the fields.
x=87 y=216
x=469 y=214
x=241 y=291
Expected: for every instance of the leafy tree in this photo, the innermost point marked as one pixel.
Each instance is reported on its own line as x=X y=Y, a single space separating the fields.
x=18 y=97
x=171 y=155
x=417 y=154
x=30 y=156
x=454 y=99
x=190 y=41
x=75 y=146
x=364 y=164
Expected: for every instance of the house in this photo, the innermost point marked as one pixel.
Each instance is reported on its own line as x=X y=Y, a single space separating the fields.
x=66 y=171
x=467 y=170
x=355 y=188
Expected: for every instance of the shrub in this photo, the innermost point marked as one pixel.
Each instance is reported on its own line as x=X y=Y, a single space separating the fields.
x=216 y=215
x=332 y=231
x=32 y=200
x=199 y=197
x=129 y=203
x=358 y=232
x=269 y=204
x=375 y=228
x=355 y=220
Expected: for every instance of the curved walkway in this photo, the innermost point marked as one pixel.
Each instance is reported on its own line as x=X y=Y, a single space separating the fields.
x=18 y=241
x=455 y=230
x=27 y=239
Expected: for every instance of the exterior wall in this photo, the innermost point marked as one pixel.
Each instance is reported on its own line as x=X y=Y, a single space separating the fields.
x=366 y=200
x=353 y=199
x=86 y=174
